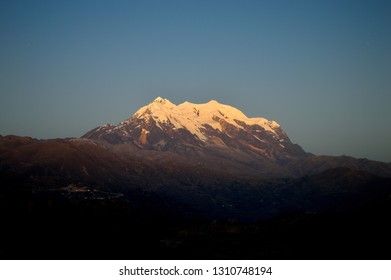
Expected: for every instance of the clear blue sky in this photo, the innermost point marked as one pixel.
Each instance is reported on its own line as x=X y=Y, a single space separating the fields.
x=322 y=69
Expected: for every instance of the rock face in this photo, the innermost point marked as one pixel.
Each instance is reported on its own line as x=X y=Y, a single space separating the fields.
x=190 y=129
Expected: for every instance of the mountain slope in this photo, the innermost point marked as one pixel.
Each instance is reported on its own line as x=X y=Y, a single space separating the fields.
x=30 y=165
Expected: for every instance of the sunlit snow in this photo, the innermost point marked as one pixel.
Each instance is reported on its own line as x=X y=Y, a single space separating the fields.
x=192 y=116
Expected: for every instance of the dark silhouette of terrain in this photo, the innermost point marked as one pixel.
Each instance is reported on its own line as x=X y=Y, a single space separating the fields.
x=73 y=199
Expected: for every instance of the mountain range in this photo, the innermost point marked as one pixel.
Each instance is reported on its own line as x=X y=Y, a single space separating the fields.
x=220 y=137
x=187 y=162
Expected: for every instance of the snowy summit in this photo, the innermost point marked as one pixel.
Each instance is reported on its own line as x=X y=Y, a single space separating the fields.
x=194 y=117
x=190 y=128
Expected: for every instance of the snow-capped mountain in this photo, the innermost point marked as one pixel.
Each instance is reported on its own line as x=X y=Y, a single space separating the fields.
x=194 y=128
x=203 y=169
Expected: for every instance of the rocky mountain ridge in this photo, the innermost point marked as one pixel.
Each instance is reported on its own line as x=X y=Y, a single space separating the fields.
x=190 y=129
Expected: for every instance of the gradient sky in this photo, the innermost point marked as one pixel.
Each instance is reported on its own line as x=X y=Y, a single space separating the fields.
x=322 y=69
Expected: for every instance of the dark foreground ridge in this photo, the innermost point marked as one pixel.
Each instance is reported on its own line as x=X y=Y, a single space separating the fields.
x=52 y=226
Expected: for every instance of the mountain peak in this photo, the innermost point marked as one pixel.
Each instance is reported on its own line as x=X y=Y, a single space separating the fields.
x=159 y=106
x=193 y=117
x=164 y=125
x=160 y=100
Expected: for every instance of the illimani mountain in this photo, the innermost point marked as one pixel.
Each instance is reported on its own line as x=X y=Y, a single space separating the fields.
x=219 y=137
x=196 y=128
x=189 y=181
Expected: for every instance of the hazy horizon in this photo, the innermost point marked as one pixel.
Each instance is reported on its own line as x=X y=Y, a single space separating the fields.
x=321 y=69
